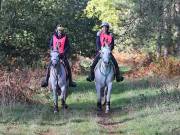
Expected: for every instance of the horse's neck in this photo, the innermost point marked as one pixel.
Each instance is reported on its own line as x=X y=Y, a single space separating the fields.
x=104 y=68
x=58 y=69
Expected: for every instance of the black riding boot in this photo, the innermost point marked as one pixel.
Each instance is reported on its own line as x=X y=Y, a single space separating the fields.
x=118 y=76
x=91 y=75
x=71 y=83
x=45 y=81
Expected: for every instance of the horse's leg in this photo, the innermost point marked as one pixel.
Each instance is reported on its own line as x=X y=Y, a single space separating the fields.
x=55 y=97
x=109 y=88
x=98 y=91
x=63 y=97
x=105 y=96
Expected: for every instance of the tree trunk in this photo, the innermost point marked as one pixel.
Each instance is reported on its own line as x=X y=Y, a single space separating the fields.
x=159 y=45
x=168 y=24
x=166 y=51
x=0 y=5
x=177 y=24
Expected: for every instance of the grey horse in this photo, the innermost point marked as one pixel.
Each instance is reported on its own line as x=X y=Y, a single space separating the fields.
x=104 y=76
x=58 y=80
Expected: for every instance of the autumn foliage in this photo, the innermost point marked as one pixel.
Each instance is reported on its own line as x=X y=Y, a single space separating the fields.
x=19 y=85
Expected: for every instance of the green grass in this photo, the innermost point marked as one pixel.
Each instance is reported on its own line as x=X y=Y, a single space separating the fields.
x=137 y=109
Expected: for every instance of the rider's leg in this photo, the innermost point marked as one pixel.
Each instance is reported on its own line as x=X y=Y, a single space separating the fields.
x=44 y=82
x=91 y=75
x=118 y=76
x=71 y=83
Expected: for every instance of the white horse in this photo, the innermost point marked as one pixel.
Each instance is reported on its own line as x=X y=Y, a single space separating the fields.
x=104 y=76
x=58 y=80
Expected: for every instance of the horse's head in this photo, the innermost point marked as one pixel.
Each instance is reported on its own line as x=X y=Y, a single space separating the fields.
x=55 y=58
x=105 y=54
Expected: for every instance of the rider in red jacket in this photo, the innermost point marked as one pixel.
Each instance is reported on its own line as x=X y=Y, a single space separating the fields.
x=60 y=38
x=104 y=37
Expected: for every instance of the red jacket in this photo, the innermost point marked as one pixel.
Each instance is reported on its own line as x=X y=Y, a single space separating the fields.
x=101 y=38
x=62 y=42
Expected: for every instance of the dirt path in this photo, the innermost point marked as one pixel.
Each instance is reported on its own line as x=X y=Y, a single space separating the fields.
x=49 y=132
x=106 y=122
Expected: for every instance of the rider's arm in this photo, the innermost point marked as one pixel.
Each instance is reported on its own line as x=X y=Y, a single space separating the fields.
x=67 y=46
x=112 y=42
x=98 y=43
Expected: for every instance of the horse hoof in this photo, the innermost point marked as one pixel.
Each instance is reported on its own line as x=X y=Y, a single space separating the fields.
x=107 y=111
x=55 y=112
x=107 y=108
x=55 y=109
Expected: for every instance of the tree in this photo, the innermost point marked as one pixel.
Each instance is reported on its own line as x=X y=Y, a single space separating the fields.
x=153 y=24
x=26 y=27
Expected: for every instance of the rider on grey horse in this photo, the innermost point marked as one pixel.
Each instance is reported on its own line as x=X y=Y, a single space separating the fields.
x=61 y=39
x=104 y=37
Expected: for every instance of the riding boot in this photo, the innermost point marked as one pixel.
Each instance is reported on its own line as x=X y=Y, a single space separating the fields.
x=71 y=83
x=118 y=76
x=99 y=106
x=91 y=75
x=45 y=81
